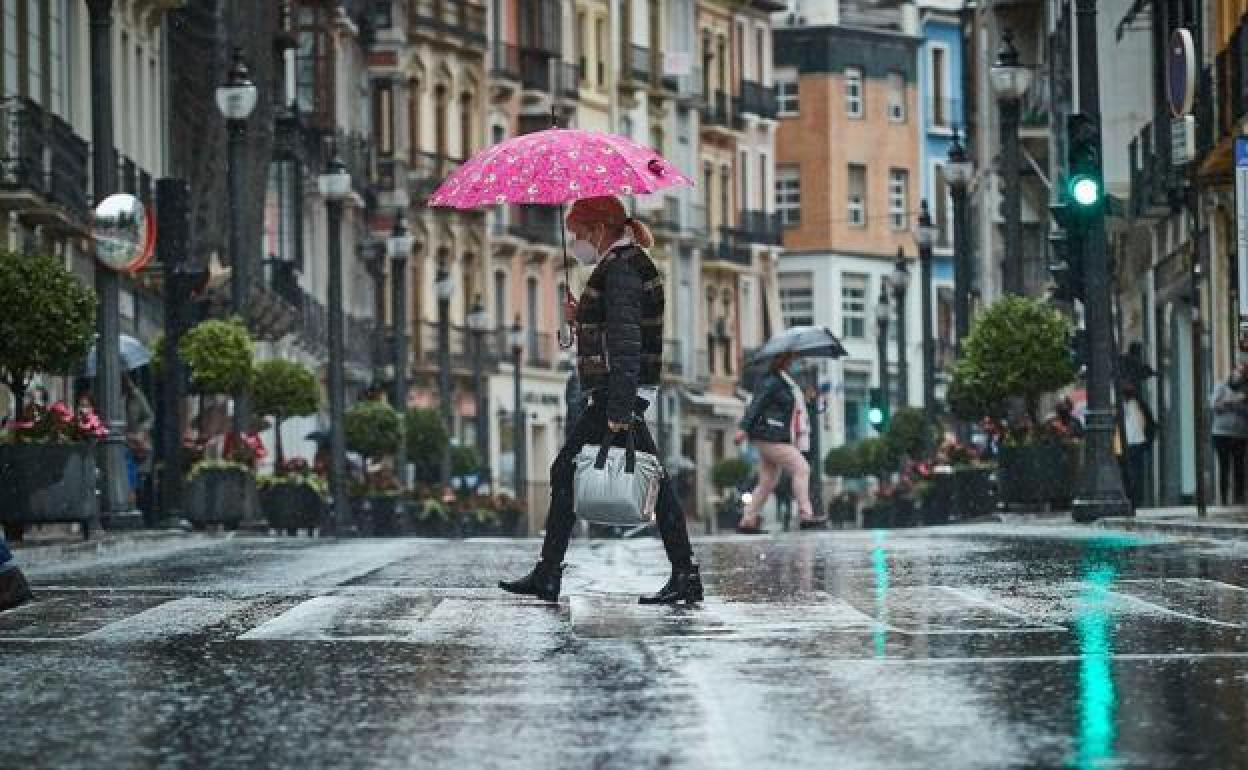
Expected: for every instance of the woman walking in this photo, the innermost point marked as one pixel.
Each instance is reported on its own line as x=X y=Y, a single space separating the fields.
x=1230 y=433
x=619 y=331
x=778 y=425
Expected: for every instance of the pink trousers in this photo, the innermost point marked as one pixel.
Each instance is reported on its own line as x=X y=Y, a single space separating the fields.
x=776 y=458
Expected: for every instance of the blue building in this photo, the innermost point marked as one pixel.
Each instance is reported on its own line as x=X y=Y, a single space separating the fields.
x=941 y=107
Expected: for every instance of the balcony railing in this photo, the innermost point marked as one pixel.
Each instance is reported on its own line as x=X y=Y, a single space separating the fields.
x=42 y=156
x=1152 y=173
x=426 y=172
x=505 y=61
x=458 y=18
x=537 y=224
x=730 y=249
x=696 y=226
x=689 y=87
x=760 y=227
x=637 y=63
x=757 y=99
x=718 y=110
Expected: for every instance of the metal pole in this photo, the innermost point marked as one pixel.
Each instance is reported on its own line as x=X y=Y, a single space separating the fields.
x=929 y=350
x=1201 y=416
x=444 y=382
x=518 y=441
x=1101 y=492
x=881 y=341
x=961 y=282
x=816 y=441
x=240 y=264
x=1012 y=199
x=903 y=366
x=398 y=310
x=173 y=216
x=483 y=402
x=337 y=385
x=115 y=502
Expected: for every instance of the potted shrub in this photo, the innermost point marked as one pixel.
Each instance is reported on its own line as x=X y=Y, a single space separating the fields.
x=426 y=437
x=1017 y=352
x=292 y=498
x=433 y=518
x=222 y=490
x=373 y=431
x=47 y=462
x=728 y=476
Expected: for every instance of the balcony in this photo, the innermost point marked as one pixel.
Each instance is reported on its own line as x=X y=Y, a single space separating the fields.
x=132 y=179
x=718 y=111
x=546 y=73
x=535 y=224
x=43 y=169
x=761 y=227
x=637 y=65
x=695 y=227
x=674 y=358
x=729 y=250
x=757 y=99
x=667 y=217
x=689 y=89
x=1152 y=173
x=505 y=61
x=426 y=171
x=458 y=20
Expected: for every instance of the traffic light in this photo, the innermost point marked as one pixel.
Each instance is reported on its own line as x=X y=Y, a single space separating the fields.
x=877 y=410
x=1065 y=259
x=1085 y=183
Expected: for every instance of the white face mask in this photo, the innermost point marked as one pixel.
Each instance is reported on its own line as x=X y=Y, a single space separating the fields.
x=585 y=252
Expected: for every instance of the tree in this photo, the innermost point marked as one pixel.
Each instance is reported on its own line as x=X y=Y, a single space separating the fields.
x=909 y=434
x=874 y=458
x=843 y=461
x=219 y=355
x=372 y=429
x=730 y=472
x=426 y=440
x=1018 y=349
x=47 y=318
x=284 y=389
x=465 y=461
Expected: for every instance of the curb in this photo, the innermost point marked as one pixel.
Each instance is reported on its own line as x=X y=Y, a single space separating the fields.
x=107 y=545
x=1182 y=528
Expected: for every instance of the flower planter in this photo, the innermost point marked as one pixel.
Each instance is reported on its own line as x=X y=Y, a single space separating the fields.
x=974 y=492
x=379 y=515
x=512 y=523
x=292 y=505
x=1034 y=474
x=223 y=496
x=47 y=483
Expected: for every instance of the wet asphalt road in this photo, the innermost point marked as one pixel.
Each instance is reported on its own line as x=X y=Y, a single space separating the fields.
x=958 y=648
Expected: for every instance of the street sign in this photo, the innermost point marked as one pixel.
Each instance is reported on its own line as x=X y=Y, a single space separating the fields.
x=1183 y=140
x=1241 y=220
x=1181 y=72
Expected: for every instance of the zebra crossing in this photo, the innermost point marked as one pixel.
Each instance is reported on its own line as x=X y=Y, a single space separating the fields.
x=484 y=617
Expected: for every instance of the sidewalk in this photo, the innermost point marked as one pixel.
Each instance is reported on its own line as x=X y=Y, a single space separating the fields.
x=57 y=548
x=1222 y=522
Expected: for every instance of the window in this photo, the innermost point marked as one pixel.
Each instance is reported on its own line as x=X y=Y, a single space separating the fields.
x=853 y=306
x=787 y=92
x=853 y=93
x=725 y=195
x=383 y=118
x=413 y=120
x=600 y=50
x=797 y=299
x=857 y=387
x=897 y=183
x=11 y=48
x=896 y=98
x=764 y=183
x=500 y=299
x=314 y=65
x=743 y=171
x=857 y=214
x=533 y=308
x=939 y=106
x=466 y=142
x=942 y=214
x=439 y=122
x=760 y=51
x=57 y=70
x=582 y=62
x=34 y=52
x=789 y=195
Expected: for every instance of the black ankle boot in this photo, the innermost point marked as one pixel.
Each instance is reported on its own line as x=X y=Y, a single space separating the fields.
x=543 y=582
x=13 y=589
x=685 y=585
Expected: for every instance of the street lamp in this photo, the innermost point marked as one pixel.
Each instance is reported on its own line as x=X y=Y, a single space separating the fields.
x=335 y=186
x=478 y=323
x=882 y=314
x=400 y=247
x=958 y=170
x=520 y=450
x=1010 y=80
x=236 y=98
x=925 y=236
x=900 y=280
x=115 y=502
x=445 y=287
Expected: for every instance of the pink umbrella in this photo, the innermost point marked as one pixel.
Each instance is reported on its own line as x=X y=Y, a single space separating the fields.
x=556 y=166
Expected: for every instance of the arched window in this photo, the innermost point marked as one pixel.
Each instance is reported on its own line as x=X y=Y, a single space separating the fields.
x=500 y=298
x=413 y=119
x=439 y=122
x=466 y=135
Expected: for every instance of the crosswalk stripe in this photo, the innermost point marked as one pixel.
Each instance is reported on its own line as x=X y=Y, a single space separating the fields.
x=175 y=618
x=349 y=618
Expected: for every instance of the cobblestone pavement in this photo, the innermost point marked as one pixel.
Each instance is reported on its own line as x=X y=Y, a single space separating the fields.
x=972 y=647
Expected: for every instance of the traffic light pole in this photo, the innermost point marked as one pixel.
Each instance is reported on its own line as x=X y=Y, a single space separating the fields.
x=1100 y=490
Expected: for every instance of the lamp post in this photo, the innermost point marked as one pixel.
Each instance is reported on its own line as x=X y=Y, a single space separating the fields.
x=900 y=281
x=335 y=186
x=478 y=322
x=445 y=286
x=925 y=236
x=881 y=342
x=115 y=502
x=958 y=171
x=516 y=338
x=1009 y=82
x=236 y=98
x=400 y=246
x=1100 y=489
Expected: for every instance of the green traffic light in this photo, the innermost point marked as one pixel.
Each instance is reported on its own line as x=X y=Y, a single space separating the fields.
x=875 y=415
x=1085 y=190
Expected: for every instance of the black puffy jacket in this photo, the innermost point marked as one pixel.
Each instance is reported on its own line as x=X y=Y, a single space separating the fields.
x=769 y=417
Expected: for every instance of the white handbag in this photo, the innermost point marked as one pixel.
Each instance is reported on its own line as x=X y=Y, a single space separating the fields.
x=618 y=486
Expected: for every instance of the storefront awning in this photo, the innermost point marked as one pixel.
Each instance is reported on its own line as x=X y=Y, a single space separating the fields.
x=729 y=407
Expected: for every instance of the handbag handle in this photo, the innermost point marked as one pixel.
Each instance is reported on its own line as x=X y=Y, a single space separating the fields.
x=630 y=452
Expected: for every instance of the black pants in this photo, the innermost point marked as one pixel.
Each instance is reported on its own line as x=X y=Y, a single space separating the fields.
x=1231 y=451
x=590 y=429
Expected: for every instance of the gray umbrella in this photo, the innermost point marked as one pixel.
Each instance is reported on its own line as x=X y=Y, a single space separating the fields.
x=804 y=341
x=133 y=355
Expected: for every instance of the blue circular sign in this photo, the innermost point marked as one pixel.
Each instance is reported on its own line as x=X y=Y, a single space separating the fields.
x=1181 y=72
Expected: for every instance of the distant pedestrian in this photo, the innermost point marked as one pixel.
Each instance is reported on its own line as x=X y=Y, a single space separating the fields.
x=1230 y=433
x=778 y=425
x=139 y=421
x=1141 y=430
x=14 y=589
x=1064 y=422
